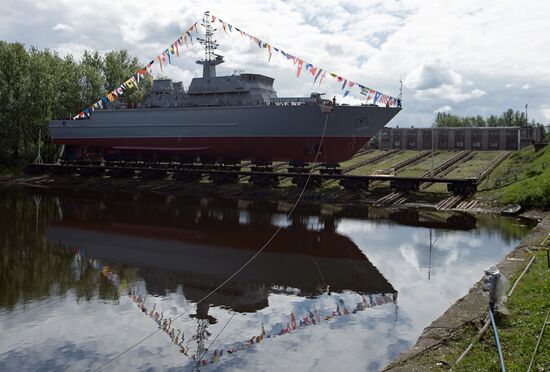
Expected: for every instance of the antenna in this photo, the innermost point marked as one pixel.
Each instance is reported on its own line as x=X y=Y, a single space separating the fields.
x=208 y=43
x=401 y=89
x=211 y=59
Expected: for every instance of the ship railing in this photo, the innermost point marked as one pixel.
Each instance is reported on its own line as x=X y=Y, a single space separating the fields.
x=298 y=101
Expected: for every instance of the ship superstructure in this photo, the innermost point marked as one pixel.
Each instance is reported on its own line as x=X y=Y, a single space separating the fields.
x=221 y=119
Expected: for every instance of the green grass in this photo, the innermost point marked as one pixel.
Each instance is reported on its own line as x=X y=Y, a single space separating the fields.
x=518 y=332
x=523 y=178
x=424 y=166
x=360 y=158
x=385 y=163
x=467 y=169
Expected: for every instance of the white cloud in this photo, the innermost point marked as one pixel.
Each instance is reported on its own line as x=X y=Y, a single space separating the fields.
x=545 y=111
x=76 y=49
x=432 y=75
x=526 y=86
x=62 y=27
x=445 y=108
x=449 y=53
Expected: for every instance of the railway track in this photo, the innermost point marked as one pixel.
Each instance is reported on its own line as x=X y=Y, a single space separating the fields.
x=458 y=201
x=399 y=198
x=167 y=178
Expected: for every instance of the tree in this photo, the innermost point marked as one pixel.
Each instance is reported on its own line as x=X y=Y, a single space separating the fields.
x=38 y=85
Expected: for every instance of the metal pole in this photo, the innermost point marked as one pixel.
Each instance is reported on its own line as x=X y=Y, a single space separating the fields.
x=526 y=118
x=430 y=263
x=432 y=172
x=497 y=341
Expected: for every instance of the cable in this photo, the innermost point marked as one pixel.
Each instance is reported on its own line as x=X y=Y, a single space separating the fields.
x=239 y=269
x=538 y=340
x=497 y=341
x=197 y=365
x=273 y=236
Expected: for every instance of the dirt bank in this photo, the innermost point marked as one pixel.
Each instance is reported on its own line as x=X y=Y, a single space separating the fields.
x=431 y=349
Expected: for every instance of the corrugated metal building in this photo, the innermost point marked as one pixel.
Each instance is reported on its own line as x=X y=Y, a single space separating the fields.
x=466 y=138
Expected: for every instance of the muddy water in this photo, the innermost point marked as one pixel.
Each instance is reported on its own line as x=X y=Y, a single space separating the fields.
x=84 y=277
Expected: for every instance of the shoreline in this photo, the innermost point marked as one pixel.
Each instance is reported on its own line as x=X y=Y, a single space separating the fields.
x=432 y=347
x=324 y=195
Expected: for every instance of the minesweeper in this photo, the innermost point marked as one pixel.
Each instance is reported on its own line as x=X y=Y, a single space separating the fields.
x=222 y=118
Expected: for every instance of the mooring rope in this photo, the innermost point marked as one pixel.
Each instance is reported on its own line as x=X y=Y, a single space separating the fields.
x=197 y=365
x=279 y=228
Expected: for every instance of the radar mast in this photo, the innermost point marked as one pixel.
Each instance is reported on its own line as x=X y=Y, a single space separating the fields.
x=211 y=59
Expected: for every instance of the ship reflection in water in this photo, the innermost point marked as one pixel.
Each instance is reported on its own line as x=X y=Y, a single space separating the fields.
x=85 y=278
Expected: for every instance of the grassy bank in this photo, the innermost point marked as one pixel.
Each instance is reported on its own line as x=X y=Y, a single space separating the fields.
x=523 y=178
x=518 y=332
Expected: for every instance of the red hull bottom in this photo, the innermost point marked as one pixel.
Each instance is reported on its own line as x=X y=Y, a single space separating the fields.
x=303 y=149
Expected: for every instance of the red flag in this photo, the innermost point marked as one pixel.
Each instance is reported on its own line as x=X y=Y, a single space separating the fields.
x=300 y=63
x=313 y=70
x=177 y=48
x=160 y=62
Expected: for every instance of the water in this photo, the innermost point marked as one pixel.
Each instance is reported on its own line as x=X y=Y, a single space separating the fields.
x=338 y=288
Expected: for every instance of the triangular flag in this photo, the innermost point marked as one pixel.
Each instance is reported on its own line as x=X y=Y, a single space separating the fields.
x=313 y=71
x=167 y=54
x=160 y=62
x=344 y=85
x=300 y=63
x=322 y=77
x=317 y=76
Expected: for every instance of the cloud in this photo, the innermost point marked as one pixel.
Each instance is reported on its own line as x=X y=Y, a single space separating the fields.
x=75 y=49
x=436 y=80
x=62 y=27
x=526 y=86
x=445 y=108
x=545 y=111
x=454 y=54
x=431 y=76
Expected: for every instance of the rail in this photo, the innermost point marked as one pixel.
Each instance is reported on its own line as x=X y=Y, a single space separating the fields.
x=196 y=173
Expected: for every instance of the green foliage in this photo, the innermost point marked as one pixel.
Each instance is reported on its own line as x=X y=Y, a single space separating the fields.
x=37 y=86
x=31 y=267
x=509 y=118
x=518 y=332
x=533 y=176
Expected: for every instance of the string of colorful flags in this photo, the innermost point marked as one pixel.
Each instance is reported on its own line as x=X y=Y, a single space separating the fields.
x=318 y=73
x=135 y=80
x=295 y=321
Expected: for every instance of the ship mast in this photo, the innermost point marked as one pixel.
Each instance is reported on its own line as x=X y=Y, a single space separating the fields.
x=211 y=59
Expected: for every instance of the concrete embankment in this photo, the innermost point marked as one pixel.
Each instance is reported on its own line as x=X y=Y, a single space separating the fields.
x=432 y=350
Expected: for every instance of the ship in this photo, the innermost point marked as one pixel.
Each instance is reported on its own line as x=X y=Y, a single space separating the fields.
x=222 y=119
x=198 y=244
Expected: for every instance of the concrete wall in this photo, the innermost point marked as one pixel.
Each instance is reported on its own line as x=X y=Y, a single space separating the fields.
x=468 y=138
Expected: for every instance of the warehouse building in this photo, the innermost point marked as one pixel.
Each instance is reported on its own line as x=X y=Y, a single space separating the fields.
x=464 y=138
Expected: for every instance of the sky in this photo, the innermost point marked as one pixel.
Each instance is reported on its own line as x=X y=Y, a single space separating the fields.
x=463 y=57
